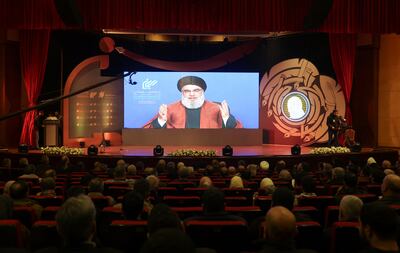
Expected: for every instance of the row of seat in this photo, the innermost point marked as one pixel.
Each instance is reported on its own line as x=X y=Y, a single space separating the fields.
x=130 y=235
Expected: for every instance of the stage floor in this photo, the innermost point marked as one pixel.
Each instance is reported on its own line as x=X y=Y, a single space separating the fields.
x=262 y=150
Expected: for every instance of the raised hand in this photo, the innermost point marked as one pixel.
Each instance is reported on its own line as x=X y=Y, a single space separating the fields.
x=224 y=109
x=162 y=112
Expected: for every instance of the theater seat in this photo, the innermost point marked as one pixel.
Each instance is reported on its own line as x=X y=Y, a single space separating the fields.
x=127 y=235
x=12 y=234
x=177 y=201
x=44 y=234
x=48 y=200
x=264 y=202
x=49 y=213
x=331 y=215
x=186 y=212
x=237 y=201
x=309 y=235
x=25 y=214
x=345 y=237
x=100 y=202
x=223 y=236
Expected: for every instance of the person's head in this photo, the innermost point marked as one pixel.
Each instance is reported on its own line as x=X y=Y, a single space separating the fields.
x=350 y=180
x=149 y=171
x=119 y=172
x=64 y=161
x=153 y=182
x=267 y=185
x=160 y=166
x=350 y=208
x=280 y=224
x=388 y=172
x=47 y=183
x=378 y=222
x=44 y=159
x=308 y=184
x=231 y=171
x=139 y=165
x=285 y=175
x=213 y=201
x=184 y=172
x=19 y=190
x=132 y=205
x=76 y=220
x=121 y=163
x=338 y=174
x=391 y=185
x=280 y=165
x=168 y=240
x=162 y=216
x=205 y=182
x=192 y=89
x=7 y=186
x=370 y=161
x=6 y=207
x=236 y=182
x=131 y=170
x=23 y=162
x=264 y=165
x=253 y=169
x=386 y=164
x=282 y=196
x=180 y=165
x=49 y=173
x=142 y=187
x=96 y=185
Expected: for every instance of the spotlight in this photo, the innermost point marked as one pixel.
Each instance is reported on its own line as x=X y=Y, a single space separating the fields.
x=158 y=151
x=81 y=144
x=296 y=149
x=23 y=148
x=92 y=150
x=227 y=151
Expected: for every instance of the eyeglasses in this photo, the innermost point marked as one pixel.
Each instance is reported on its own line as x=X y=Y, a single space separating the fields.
x=196 y=91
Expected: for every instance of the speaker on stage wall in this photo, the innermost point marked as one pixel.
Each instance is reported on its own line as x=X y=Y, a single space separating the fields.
x=68 y=12
x=296 y=150
x=227 y=151
x=158 y=151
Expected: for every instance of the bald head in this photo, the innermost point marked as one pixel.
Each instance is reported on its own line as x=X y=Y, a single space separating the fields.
x=280 y=224
x=350 y=208
x=391 y=185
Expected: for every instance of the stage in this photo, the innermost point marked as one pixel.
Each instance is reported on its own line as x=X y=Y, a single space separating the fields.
x=250 y=154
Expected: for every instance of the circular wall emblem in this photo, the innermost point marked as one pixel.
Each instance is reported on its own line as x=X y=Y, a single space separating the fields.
x=295 y=106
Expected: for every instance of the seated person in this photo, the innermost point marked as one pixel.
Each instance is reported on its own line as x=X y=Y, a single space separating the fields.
x=308 y=186
x=96 y=189
x=48 y=187
x=350 y=186
x=214 y=207
x=19 y=195
x=132 y=206
x=162 y=217
x=391 y=190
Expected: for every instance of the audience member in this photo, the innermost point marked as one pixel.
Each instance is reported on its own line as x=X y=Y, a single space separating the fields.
x=142 y=187
x=6 y=190
x=267 y=187
x=264 y=166
x=19 y=195
x=30 y=173
x=160 y=166
x=280 y=165
x=338 y=174
x=168 y=240
x=350 y=208
x=386 y=164
x=379 y=225
x=48 y=187
x=205 y=182
x=131 y=170
x=308 y=186
x=96 y=189
x=132 y=206
x=391 y=190
x=162 y=217
x=350 y=186
x=280 y=231
x=76 y=224
x=236 y=182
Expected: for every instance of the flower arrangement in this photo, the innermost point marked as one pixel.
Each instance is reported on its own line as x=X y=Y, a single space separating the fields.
x=62 y=151
x=195 y=153
x=331 y=150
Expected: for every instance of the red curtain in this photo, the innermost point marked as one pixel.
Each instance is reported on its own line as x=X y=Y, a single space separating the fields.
x=33 y=53
x=343 y=52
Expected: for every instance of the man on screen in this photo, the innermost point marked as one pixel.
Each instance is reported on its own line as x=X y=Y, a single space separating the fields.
x=193 y=111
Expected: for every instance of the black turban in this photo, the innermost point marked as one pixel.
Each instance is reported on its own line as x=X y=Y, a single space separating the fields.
x=194 y=80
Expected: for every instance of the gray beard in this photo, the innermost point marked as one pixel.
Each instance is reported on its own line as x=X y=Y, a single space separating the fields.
x=193 y=104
